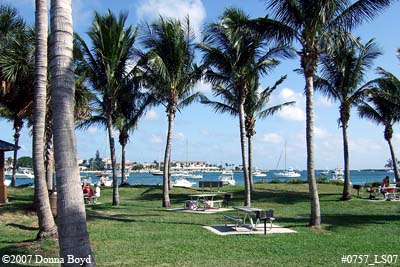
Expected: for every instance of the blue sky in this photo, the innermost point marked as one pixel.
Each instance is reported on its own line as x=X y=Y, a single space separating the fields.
x=215 y=137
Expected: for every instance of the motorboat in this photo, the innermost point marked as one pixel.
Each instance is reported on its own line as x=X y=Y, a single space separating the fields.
x=157 y=173
x=325 y=173
x=227 y=179
x=259 y=174
x=338 y=174
x=7 y=182
x=289 y=173
x=227 y=172
x=24 y=173
x=182 y=182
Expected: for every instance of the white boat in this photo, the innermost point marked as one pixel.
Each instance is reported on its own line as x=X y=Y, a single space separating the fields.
x=289 y=173
x=7 y=182
x=325 y=173
x=338 y=174
x=227 y=179
x=259 y=174
x=24 y=173
x=227 y=172
x=182 y=182
x=157 y=173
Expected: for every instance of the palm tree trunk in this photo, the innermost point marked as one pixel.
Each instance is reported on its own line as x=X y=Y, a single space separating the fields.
x=113 y=162
x=49 y=157
x=394 y=160
x=71 y=215
x=247 y=201
x=346 y=187
x=47 y=227
x=167 y=157
x=18 y=124
x=315 y=219
x=123 y=174
x=250 y=149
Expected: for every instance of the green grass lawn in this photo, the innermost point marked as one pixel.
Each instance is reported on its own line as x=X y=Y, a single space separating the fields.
x=141 y=233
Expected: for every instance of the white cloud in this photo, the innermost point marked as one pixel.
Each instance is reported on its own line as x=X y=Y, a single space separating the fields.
x=155 y=139
x=271 y=138
x=324 y=102
x=180 y=136
x=320 y=132
x=203 y=87
x=151 y=9
x=294 y=112
x=152 y=115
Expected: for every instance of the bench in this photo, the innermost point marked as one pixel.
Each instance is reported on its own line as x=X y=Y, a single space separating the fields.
x=208 y=204
x=265 y=215
x=210 y=184
x=237 y=220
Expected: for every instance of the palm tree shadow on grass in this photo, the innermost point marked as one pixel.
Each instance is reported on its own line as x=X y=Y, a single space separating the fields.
x=122 y=218
x=334 y=221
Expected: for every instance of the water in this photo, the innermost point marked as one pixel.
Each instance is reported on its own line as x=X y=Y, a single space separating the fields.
x=356 y=177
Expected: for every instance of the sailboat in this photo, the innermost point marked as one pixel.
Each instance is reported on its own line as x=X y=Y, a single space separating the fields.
x=287 y=173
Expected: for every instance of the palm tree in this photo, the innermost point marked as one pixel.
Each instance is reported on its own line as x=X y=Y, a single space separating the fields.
x=309 y=22
x=381 y=109
x=234 y=55
x=255 y=106
x=170 y=74
x=47 y=227
x=17 y=76
x=106 y=65
x=342 y=72
x=132 y=105
x=71 y=215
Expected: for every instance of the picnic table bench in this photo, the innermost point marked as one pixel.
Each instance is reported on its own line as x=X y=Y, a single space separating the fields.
x=238 y=221
x=260 y=215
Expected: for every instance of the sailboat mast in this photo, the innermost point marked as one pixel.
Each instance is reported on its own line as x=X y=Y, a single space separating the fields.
x=285 y=156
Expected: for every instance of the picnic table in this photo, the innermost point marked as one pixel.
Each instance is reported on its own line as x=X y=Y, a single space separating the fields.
x=247 y=214
x=205 y=201
x=391 y=193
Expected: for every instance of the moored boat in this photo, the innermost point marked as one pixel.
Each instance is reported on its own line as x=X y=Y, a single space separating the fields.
x=227 y=179
x=182 y=182
x=289 y=173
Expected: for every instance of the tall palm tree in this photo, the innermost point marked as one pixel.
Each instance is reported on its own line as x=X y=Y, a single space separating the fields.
x=17 y=76
x=309 y=22
x=47 y=227
x=106 y=65
x=342 y=72
x=170 y=74
x=381 y=109
x=132 y=106
x=256 y=106
x=72 y=229
x=234 y=55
